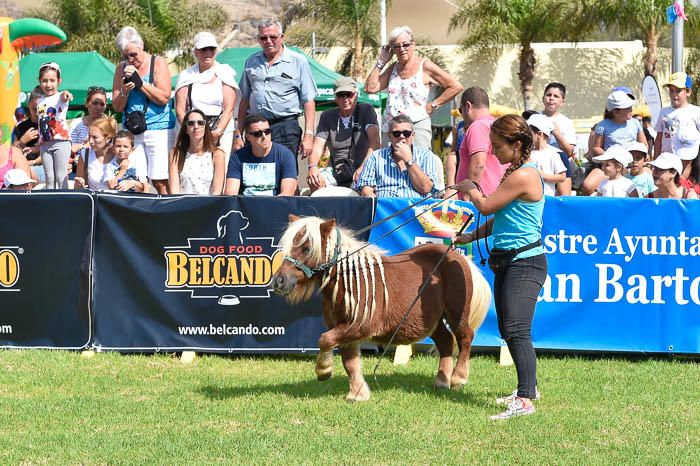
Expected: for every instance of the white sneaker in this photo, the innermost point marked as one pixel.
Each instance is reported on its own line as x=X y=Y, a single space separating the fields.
x=516 y=408
x=504 y=400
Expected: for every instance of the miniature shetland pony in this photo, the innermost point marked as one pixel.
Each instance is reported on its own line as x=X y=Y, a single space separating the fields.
x=366 y=294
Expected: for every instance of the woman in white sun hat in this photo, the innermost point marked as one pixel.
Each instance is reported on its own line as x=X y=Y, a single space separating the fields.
x=211 y=87
x=667 y=172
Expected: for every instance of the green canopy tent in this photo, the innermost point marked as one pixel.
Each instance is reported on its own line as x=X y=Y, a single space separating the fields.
x=324 y=77
x=79 y=70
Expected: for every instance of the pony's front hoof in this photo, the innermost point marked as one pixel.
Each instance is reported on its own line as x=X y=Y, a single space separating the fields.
x=359 y=394
x=440 y=385
x=322 y=377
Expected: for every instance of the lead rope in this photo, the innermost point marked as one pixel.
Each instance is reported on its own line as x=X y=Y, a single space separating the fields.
x=415 y=300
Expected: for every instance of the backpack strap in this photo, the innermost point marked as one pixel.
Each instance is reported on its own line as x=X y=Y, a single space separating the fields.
x=189 y=97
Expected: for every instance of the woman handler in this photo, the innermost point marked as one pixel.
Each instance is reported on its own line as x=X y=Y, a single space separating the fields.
x=518 y=259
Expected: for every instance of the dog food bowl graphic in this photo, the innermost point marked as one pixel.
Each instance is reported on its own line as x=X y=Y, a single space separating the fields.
x=229 y=300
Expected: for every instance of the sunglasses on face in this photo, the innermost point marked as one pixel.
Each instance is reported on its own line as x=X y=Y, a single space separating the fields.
x=405 y=45
x=264 y=38
x=260 y=132
x=126 y=56
x=193 y=123
x=405 y=133
x=344 y=95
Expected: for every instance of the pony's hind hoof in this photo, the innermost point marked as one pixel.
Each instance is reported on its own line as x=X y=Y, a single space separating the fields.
x=360 y=394
x=323 y=377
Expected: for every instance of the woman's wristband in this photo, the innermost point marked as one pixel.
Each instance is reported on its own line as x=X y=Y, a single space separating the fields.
x=312 y=165
x=379 y=65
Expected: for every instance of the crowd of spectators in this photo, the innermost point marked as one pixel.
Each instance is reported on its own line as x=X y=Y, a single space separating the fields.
x=245 y=135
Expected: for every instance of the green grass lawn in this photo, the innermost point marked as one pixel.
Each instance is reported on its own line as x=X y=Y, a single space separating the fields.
x=61 y=408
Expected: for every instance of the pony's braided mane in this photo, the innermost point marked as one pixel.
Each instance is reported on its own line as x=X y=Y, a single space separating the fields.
x=354 y=271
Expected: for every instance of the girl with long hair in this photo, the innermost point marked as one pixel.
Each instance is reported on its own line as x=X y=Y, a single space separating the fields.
x=196 y=165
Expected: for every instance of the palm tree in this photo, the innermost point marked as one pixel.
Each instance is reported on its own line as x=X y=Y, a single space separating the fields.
x=352 y=23
x=163 y=24
x=493 y=23
x=644 y=20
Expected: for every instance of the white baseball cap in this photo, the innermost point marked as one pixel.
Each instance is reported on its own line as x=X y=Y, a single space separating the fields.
x=541 y=122
x=667 y=160
x=636 y=146
x=620 y=99
x=16 y=177
x=616 y=152
x=205 y=39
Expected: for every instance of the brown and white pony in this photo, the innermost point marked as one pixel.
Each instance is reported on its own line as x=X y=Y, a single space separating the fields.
x=366 y=295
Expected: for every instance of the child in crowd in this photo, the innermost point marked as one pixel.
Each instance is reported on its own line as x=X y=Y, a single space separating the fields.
x=54 y=139
x=563 y=135
x=547 y=158
x=614 y=161
x=130 y=176
x=680 y=122
x=639 y=173
x=617 y=128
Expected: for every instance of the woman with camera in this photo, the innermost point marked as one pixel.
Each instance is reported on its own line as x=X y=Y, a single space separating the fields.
x=517 y=259
x=141 y=89
x=209 y=86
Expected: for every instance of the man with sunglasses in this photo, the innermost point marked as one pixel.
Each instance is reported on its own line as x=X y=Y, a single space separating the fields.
x=262 y=167
x=350 y=132
x=401 y=169
x=278 y=84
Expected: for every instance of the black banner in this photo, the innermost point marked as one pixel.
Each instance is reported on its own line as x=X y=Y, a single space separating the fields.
x=45 y=253
x=193 y=273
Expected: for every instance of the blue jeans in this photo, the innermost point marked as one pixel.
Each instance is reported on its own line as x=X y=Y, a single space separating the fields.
x=515 y=292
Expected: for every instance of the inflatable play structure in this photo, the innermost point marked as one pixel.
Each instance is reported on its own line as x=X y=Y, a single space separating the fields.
x=17 y=35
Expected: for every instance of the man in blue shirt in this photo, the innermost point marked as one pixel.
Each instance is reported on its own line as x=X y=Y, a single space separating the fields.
x=263 y=167
x=277 y=83
x=402 y=169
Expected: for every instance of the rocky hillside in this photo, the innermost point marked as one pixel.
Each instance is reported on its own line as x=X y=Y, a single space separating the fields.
x=240 y=31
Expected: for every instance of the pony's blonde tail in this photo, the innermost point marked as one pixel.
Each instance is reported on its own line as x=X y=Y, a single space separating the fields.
x=481 y=297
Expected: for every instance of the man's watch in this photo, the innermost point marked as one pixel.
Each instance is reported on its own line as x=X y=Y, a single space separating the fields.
x=434 y=105
x=409 y=163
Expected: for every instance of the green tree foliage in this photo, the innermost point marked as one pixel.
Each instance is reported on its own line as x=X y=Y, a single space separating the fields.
x=163 y=24
x=491 y=24
x=350 y=23
x=645 y=20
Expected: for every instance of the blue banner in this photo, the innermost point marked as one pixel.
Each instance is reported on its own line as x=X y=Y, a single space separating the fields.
x=623 y=273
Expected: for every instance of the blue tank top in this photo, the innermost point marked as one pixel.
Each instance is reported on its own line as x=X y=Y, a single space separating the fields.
x=157 y=116
x=519 y=224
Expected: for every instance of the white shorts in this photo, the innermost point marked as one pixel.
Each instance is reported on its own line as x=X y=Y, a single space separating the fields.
x=151 y=148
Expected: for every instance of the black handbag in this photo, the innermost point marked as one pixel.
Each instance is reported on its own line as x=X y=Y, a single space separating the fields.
x=135 y=121
x=499 y=259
